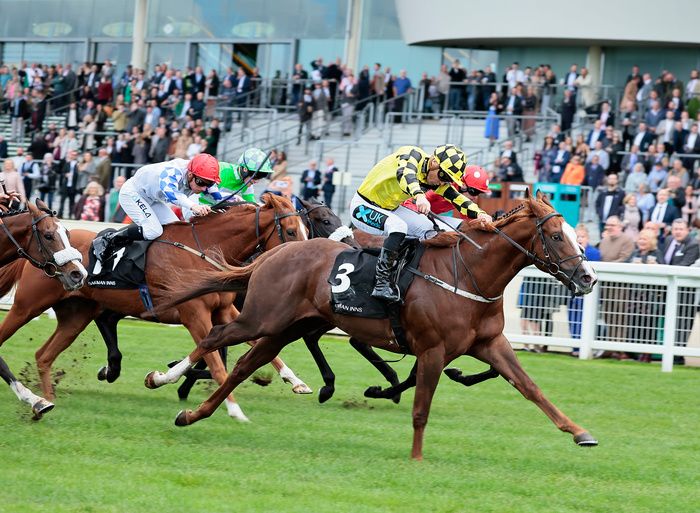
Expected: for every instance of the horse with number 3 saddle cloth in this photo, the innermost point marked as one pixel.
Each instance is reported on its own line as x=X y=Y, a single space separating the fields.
x=352 y=280
x=124 y=268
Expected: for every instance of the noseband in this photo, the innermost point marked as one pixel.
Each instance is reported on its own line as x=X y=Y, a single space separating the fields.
x=49 y=266
x=549 y=263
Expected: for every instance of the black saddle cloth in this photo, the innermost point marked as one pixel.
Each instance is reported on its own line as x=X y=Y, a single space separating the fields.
x=125 y=268
x=352 y=280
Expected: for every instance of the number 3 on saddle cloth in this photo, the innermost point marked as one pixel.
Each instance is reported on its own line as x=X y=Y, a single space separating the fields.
x=125 y=268
x=352 y=280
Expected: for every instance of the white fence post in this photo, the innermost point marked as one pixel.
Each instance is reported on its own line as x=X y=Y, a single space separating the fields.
x=589 y=323
x=670 y=325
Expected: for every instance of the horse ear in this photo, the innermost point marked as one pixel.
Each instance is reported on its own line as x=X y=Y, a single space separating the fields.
x=32 y=209
x=41 y=204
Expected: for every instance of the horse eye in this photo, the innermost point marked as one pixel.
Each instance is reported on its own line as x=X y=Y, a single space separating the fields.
x=556 y=237
x=326 y=221
x=291 y=232
x=48 y=236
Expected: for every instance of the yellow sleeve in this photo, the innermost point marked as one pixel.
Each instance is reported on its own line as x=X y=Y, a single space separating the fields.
x=464 y=205
x=407 y=172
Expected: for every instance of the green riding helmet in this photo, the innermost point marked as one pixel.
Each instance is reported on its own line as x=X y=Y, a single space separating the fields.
x=256 y=163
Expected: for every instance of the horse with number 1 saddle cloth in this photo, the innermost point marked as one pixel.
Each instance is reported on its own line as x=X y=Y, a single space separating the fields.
x=352 y=280
x=124 y=268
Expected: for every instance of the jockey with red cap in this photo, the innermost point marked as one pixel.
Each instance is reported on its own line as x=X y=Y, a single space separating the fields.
x=145 y=197
x=474 y=182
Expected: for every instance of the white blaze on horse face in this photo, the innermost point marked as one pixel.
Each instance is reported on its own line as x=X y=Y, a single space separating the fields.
x=570 y=234
x=68 y=253
x=303 y=230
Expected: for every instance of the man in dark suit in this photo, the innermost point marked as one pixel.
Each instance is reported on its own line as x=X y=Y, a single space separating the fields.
x=568 y=109
x=606 y=116
x=643 y=139
x=513 y=107
x=310 y=181
x=68 y=183
x=609 y=201
x=682 y=249
x=665 y=211
x=3 y=147
x=691 y=145
x=596 y=134
x=19 y=112
x=197 y=81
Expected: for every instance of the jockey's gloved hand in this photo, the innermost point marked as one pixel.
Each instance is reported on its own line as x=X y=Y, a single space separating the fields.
x=423 y=204
x=483 y=216
x=201 y=210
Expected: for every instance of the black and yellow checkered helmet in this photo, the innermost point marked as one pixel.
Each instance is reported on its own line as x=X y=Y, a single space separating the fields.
x=452 y=162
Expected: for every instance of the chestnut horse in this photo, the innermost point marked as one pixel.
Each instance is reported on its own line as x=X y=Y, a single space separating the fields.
x=241 y=231
x=37 y=235
x=441 y=318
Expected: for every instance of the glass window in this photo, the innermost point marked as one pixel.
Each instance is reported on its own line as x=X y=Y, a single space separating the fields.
x=471 y=59
x=214 y=56
x=12 y=54
x=118 y=53
x=379 y=20
x=247 y=18
x=173 y=54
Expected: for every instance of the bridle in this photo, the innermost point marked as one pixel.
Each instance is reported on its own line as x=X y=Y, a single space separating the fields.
x=52 y=261
x=304 y=213
x=551 y=263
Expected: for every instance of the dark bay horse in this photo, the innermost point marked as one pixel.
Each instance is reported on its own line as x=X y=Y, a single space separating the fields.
x=238 y=233
x=440 y=324
x=36 y=235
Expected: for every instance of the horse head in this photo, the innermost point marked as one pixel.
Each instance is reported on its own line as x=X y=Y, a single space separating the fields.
x=322 y=222
x=52 y=251
x=278 y=216
x=555 y=250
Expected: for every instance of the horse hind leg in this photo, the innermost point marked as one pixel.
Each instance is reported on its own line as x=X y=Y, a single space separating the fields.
x=39 y=405
x=260 y=354
x=470 y=379
x=394 y=392
x=502 y=359
x=384 y=369
x=107 y=324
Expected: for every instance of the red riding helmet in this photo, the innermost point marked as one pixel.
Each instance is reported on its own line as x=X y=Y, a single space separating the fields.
x=475 y=177
x=205 y=166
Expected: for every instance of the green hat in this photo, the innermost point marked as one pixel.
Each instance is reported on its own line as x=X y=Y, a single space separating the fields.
x=254 y=160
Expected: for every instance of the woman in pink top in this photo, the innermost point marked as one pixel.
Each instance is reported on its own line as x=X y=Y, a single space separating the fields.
x=13 y=181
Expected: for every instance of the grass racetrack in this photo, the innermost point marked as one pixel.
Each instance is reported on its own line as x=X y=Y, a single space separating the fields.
x=114 y=448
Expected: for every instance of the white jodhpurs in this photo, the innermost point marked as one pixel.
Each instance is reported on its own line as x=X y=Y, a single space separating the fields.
x=380 y=221
x=149 y=216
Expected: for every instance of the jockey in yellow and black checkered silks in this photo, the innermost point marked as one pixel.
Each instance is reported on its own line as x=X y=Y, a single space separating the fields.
x=408 y=173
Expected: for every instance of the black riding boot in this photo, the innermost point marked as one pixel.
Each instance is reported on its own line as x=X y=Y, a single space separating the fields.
x=116 y=239
x=384 y=287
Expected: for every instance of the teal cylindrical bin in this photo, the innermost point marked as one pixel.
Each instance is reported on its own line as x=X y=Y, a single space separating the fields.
x=566 y=199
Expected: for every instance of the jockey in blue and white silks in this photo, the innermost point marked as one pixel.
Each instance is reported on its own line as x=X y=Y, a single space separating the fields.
x=145 y=197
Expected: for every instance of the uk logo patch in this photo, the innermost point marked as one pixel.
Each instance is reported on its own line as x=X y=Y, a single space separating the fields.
x=370 y=217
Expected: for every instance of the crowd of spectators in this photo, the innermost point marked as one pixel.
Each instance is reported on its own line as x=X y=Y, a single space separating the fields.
x=154 y=118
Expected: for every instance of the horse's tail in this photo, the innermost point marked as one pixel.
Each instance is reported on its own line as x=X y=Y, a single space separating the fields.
x=10 y=274
x=234 y=279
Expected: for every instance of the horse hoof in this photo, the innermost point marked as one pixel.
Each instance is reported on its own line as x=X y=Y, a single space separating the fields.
x=302 y=388
x=396 y=399
x=181 y=419
x=102 y=374
x=452 y=373
x=149 y=381
x=325 y=393
x=41 y=407
x=585 y=440
x=374 y=392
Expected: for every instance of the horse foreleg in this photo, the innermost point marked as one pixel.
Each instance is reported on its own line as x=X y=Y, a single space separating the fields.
x=260 y=354
x=499 y=354
x=73 y=316
x=327 y=374
x=470 y=379
x=39 y=404
x=107 y=324
x=430 y=365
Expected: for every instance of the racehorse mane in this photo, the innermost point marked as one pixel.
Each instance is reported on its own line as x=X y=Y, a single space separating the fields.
x=270 y=201
x=531 y=206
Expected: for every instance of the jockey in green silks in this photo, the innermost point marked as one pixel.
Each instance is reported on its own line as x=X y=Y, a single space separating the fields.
x=237 y=179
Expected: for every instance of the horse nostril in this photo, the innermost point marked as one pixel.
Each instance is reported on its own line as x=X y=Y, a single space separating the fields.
x=76 y=276
x=587 y=278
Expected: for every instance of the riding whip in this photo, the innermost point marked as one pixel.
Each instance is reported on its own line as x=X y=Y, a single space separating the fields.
x=434 y=218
